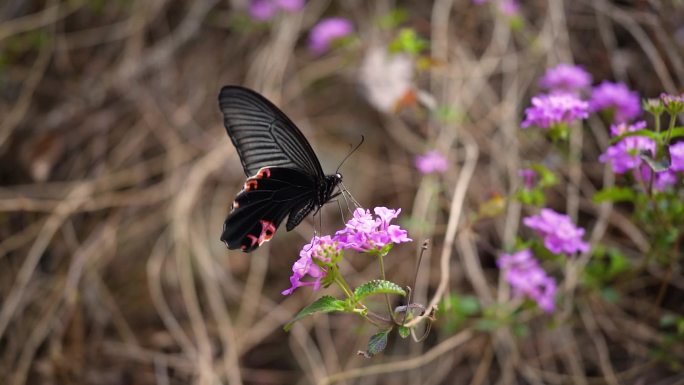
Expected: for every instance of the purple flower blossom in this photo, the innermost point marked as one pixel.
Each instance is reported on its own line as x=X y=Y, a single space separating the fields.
x=326 y=31
x=509 y=7
x=617 y=98
x=365 y=233
x=677 y=156
x=480 y=2
x=527 y=278
x=290 y=5
x=263 y=10
x=321 y=250
x=559 y=233
x=624 y=155
x=432 y=161
x=529 y=177
x=549 y=110
x=566 y=78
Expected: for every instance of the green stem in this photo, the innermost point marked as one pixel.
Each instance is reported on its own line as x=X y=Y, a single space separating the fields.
x=657 y=122
x=382 y=275
x=343 y=284
x=671 y=126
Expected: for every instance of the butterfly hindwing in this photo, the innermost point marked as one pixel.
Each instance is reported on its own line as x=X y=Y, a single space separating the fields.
x=264 y=202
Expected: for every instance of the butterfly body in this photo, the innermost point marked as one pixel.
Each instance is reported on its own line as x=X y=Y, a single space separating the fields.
x=285 y=178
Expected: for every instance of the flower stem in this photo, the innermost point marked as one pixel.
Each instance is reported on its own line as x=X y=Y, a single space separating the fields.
x=343 y=285
x=671 y=126
x=387 y=301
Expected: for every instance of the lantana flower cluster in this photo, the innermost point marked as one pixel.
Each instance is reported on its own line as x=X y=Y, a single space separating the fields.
x=523 y=272
x=564 y=103
x=528 y=279
x=328 y=31
x=321 y=36
x=628 y=154
x=560 y=235
x=432 y=162
x=263 y=10
x=363 y=232
x=625 y=154
x=555 y=109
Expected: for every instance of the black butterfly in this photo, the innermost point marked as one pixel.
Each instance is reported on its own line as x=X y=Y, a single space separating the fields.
x=284 y=174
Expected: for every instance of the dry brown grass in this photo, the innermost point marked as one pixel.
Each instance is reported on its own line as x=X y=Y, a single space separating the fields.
x=116 y=175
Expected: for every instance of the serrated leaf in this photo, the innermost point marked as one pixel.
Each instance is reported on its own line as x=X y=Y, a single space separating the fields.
x=378 y=342
x=325 y=304
x=377 y=286
x=615 y=194
x=404 y=331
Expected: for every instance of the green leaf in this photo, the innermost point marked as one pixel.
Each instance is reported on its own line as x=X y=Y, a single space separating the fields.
x=645 y=133
x=325 y=304
x=610 y=295
x=409 y=42
x=486 y=325
x=378 y=342
x=393 y=19
x=547 y=178
x=677 y=132
x=404 y=331
x=615 y=194
x=377 y=286
x=533 y=197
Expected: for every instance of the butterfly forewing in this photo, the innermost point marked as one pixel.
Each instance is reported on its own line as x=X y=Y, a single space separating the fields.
x=263 y=135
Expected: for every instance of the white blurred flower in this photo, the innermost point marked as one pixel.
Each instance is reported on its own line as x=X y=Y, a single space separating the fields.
x=386 y=78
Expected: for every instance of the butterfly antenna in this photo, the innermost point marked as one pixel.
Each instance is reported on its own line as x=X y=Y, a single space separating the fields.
x=351 y=152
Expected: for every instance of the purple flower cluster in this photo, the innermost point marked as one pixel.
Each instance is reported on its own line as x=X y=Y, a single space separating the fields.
x=263 y=10
x=565 y=78
x=529 y=177
x=677 y=156
x=559 y=233
x=527 y=278
x=324 y=33
x=311 y=262
x=553 y=109
x=624 y=155
x=509 y=8
x=368 y=234
x=432 y=161
x=618 y=98
x=362 y=232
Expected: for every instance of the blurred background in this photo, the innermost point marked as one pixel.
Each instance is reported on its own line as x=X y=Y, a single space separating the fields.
x=116 y=175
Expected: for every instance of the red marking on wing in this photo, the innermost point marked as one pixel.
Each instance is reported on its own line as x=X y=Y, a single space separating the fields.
x=263 y=173
x=251 y=184
x=253 y=238
x=267 y=231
